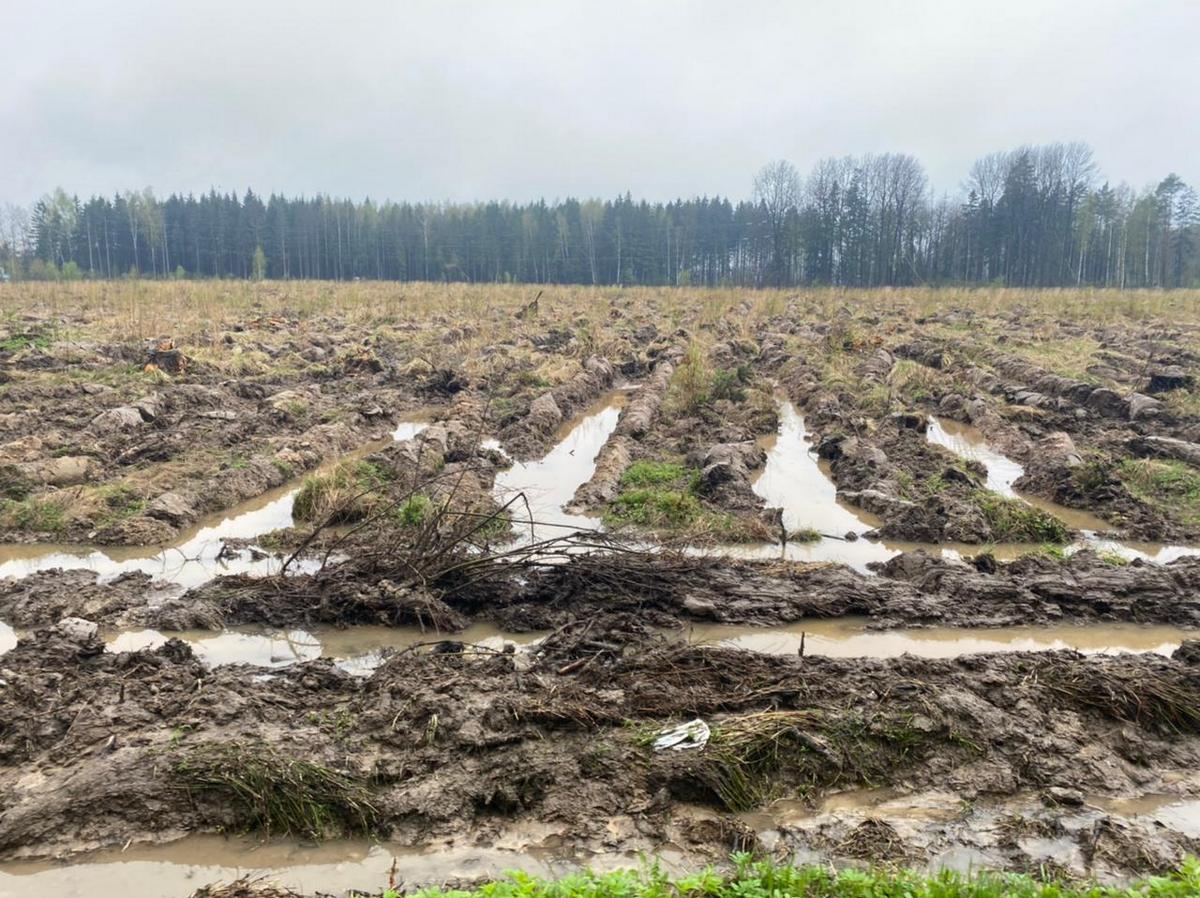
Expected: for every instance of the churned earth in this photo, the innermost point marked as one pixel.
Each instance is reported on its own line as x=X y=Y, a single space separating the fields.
x=433 y=567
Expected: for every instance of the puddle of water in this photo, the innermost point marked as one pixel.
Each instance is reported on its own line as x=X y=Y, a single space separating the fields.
x=358 y=650
x=795 y=481
x=884 y=803
x=192 y=559
x=177 y=869
x=849 y=638
x=969 y=442
x=1181 y=815
x=550 y=483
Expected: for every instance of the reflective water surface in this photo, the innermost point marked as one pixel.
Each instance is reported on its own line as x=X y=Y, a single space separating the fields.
x=355 y=649
x=543 y=487
x=192 y=558
x=848 y=637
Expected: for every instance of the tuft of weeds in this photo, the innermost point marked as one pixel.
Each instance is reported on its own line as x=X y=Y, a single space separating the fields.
x=730 y=385
x=276 y=794
x=805 y=535
x=345 y=495
x=648 y=507
x=14 y=484
x=692 y=381
x=747 y=754
x=914 y=380
x=1172 y=486
x=1167 y=700
x=118 y=501
x=653 y=473
x=1012 y=520
x=414 y=511
x=25 y=341
x=35 y=514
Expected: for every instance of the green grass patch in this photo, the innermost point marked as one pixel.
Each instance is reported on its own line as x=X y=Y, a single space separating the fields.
x=653 y=473
x=753 y=878
x=35 y=515
x=1171 y=486
x=344 y=495
x=276 y=794
x=1012 y=520
x=118 y=502
x=655 y=508
x=414 y=511
x=25 y=341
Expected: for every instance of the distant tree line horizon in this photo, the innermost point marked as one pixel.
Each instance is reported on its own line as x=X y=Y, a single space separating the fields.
x=1033 y=216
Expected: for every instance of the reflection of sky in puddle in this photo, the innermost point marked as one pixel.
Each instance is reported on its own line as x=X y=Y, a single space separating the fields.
x=849 y=638
x=794 y=480
x=968 y=442
x=356 y=649
x=192 y=560
x=549 y=484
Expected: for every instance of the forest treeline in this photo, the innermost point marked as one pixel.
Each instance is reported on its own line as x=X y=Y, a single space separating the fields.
x=1034 y=216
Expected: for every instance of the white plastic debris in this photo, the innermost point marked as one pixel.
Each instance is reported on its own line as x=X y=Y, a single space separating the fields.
x=693 y=734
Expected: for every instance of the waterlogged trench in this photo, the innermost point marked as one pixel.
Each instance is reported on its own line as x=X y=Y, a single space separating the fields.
x=796 y=481
x=792 y=479
x=539 y=490
x=193 y=558
x=968 y=442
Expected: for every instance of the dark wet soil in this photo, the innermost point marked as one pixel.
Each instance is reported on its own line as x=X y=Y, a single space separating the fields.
x=448 y=740
x=100 y=748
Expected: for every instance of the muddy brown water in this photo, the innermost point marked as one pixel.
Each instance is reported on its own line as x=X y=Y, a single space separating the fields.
x=176 y=869
x=192 y=559
x=357 y=650
x=360 y=650
x=850 y=638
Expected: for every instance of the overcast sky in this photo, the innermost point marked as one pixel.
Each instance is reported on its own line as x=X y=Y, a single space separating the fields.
x=514 y=99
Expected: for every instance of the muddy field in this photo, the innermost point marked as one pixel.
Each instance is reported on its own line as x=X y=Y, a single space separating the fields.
x=305 y=579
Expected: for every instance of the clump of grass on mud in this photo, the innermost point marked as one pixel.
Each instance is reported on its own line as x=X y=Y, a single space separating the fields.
x=1012 y=520
x=655 y=495
x=653 y=473
x=345 y=495
x=654 y=508
x=276 y=794
x=747 y=755
x=754 y=878
x=1166 y=700
x=14 y=484
x=34 y=514
x=1171 y=486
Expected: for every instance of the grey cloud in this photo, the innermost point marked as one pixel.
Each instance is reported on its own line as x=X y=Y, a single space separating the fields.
x=523 y=99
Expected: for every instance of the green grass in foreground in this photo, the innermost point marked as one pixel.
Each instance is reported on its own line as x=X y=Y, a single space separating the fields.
x=764 y=879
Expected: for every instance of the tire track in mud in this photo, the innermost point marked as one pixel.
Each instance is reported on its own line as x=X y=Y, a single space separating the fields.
x=528 y=741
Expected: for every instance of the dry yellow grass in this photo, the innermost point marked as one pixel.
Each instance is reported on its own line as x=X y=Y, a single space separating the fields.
x=149 y=308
